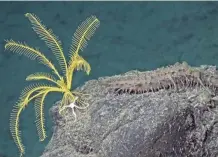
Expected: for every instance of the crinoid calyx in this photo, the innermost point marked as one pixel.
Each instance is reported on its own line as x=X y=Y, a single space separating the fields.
x=59 y=82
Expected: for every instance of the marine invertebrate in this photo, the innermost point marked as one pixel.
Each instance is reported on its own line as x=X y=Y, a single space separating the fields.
x=62 y=84
x=175 y=77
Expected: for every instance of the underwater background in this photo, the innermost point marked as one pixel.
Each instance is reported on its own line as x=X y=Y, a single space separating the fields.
x=132 y=35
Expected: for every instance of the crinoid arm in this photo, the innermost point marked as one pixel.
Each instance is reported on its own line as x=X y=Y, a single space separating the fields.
x=14 y=127
x=43 y=76
x=50 y=39
x=83 y=33
x=78 y=64
x=29 y=93
x=32 y=53
x=39 y=110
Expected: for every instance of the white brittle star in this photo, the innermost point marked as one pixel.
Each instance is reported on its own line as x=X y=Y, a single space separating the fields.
x=73 y=105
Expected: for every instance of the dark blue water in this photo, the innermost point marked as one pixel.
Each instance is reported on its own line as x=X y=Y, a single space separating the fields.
x=132 y=35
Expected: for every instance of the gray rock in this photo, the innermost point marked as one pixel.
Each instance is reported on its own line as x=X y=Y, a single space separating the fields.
x=165 y=123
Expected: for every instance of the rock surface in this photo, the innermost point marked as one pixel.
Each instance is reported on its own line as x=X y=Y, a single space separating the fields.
x=164 y=123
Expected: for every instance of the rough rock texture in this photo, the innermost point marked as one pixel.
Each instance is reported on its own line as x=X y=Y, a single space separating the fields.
x=168 y=122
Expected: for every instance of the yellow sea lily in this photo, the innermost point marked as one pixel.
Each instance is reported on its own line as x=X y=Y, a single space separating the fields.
x=59 y=83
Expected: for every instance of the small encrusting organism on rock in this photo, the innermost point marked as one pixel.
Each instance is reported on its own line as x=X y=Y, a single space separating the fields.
x=175 y=77
x=59 y=83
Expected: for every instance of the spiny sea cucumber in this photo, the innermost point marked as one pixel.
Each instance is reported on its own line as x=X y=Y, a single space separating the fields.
x=174 y=77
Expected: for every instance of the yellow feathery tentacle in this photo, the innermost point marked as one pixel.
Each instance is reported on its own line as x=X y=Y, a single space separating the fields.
x=78 y=63
x=42 y=76
x=24 y=49
x=14 y=127
x=27 y=95
x=40 y=120
x=14 y=121
x=23 y=102
x=83 y=33
x=29 y=90
x=50 y=39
